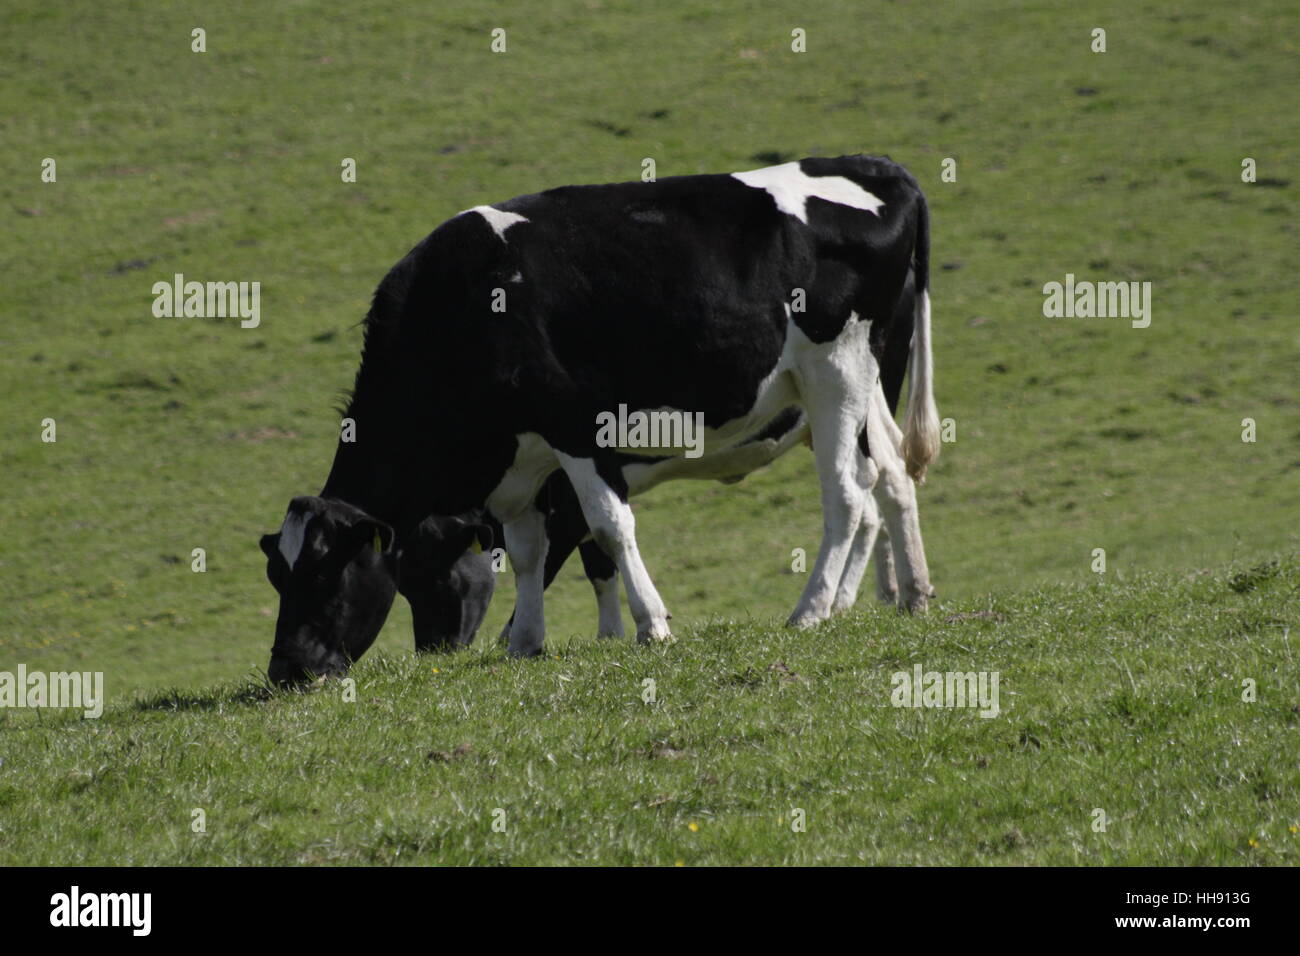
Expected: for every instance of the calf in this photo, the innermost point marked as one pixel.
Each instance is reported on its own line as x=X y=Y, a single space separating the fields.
x=566 y=528
x=492 y=347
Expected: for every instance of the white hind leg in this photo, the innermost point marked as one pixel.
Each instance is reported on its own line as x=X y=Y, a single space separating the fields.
x=897 y=497
x=835 y=384
x=886 y=580
x=863 y=543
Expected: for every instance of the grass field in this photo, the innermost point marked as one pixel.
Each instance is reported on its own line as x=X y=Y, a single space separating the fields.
x=1071 y=435
x=1123 y=698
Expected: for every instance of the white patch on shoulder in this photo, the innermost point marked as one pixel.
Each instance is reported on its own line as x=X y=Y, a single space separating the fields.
x=291 y=537
x=791 y=187
x=498 y=219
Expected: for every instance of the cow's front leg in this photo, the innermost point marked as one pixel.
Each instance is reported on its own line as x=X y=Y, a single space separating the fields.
x=613 y=528
x=526 y=545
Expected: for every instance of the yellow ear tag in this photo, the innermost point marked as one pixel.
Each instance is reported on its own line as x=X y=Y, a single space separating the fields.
x=475 y=546
x=379 y=545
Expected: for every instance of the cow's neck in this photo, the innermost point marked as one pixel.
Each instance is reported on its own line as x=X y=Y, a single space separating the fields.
x=372 y=482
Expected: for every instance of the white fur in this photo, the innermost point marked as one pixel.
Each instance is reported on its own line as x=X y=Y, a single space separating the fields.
x=610 y=616
x=846 y=594
x=498 y=219
x=920 y=444
x=614 y=529
x=897 y=497
x=791 y=187
x=836 y=379
x=526 y=544
x=515 y=493
x=292 y=535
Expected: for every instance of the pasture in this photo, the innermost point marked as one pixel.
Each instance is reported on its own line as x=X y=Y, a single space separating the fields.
x=1122 y=688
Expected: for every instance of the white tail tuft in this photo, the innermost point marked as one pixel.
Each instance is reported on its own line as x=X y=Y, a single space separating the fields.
x=921 y=422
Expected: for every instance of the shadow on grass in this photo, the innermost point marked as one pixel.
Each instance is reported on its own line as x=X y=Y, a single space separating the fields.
x=184 y=700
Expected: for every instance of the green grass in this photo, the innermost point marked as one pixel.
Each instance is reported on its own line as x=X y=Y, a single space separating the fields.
x=1123 y=697
x=1072 y=434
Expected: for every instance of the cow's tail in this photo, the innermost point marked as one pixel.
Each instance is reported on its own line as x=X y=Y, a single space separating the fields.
x=921 y=421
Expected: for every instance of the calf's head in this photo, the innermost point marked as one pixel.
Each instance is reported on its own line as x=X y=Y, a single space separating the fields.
x=335 y=568
x=447 y=579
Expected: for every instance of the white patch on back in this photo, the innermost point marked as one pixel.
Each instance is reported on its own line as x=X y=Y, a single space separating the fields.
x=791 y=187
x=498 y=219
x=291 y=537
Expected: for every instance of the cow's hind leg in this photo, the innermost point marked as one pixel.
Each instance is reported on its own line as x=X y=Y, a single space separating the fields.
x=835 y=390
x=863 y=543
x=897 y=497
x=886 y=579
x=614 y=529
x=872 y=541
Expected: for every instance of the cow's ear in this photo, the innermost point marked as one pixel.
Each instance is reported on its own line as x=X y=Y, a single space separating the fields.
x=374 y=534
x=468 y=534
x=484 y=540
x=275 y=569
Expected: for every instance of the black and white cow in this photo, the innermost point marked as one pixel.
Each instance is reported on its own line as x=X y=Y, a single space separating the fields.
x=492 y=347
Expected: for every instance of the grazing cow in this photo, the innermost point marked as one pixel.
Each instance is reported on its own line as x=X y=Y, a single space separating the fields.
x=493 y=346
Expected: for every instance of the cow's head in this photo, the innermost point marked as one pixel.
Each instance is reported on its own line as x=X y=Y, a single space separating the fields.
x=336 y=570
x=447 y=579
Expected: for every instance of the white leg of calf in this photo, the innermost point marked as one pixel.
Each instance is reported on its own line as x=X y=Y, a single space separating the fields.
x=886 y=582
x=526 y=545
x=614 y=529
x=610 y=616
x=897 y=497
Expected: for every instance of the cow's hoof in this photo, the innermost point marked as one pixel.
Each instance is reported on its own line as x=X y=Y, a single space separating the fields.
x=803 y=621
x=919 y=600
x=523 y=653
